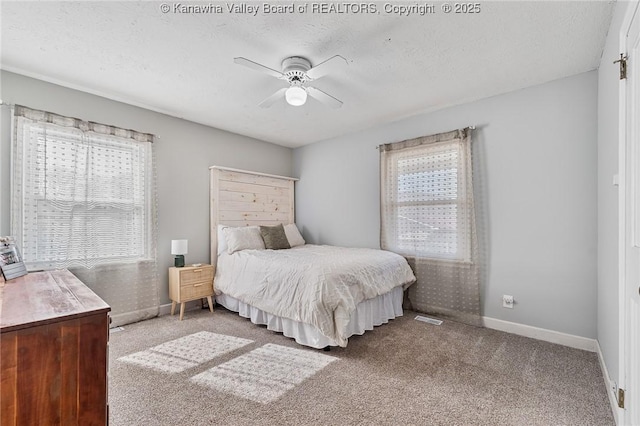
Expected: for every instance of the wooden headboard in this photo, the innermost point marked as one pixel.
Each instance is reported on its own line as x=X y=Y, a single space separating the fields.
x=244 y=198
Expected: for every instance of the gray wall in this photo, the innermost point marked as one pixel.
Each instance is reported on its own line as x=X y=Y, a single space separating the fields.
x=538 y=188
x=608 y=116
x=537 y=152
x=184 y=152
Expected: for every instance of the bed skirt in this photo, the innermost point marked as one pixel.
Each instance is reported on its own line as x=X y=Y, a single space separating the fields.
x=368 y=314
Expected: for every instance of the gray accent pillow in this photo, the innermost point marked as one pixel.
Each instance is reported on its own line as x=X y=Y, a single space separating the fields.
x=274 y=237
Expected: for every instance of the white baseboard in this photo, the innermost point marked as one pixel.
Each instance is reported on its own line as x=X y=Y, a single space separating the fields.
x=130 y=317
x=551 y=336
x=613 y=401
x=188 y=306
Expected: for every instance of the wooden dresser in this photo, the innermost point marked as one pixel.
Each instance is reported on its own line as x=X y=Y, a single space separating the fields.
x=54 y=333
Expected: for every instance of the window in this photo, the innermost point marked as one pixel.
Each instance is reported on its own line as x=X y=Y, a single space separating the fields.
x=425 y=209
x=82 y=192
x=427 y=214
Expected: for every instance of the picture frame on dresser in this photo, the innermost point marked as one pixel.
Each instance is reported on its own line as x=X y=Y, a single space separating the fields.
x=11 y=263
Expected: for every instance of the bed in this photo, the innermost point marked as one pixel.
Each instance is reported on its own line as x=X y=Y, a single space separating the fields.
x=318 y=295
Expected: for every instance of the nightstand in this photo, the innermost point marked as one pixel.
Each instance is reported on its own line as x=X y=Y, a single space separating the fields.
x=190 y=283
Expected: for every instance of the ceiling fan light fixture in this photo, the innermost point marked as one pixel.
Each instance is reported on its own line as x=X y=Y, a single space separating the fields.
x=296 y=95
x=298 y=72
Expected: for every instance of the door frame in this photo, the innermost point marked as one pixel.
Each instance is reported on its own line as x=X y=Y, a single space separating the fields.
x=624 y=239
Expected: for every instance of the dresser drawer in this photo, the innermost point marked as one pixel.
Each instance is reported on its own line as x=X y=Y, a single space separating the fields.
x=196 y=290
x=190 y=276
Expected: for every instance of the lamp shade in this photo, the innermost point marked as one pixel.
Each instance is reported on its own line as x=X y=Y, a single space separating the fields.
x=296 y=96
x=179 y=246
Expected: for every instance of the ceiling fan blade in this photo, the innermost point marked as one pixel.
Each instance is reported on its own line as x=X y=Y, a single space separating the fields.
x=256 y=66
x=273 y=98
x=323 y=97
x=334 y=63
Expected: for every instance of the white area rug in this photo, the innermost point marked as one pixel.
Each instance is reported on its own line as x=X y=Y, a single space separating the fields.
x=186 y=352
x=264 y=374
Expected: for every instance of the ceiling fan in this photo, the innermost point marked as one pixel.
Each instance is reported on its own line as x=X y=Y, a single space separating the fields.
x=297 y=71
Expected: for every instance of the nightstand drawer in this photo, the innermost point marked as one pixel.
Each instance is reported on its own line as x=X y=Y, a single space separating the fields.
x=196 y=290
x=190 y=276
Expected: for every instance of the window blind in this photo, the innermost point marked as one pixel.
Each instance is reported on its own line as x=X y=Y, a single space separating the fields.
x=426 y=201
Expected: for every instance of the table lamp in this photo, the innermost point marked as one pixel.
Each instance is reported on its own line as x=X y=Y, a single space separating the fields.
x=179 y=249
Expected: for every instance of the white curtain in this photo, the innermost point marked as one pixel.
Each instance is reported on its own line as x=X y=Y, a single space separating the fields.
x=83 y=198
x=428 y=215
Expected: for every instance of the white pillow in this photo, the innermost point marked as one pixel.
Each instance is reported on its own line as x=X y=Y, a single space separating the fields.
x=243 y=238
x=222 y=240
x=293 y=235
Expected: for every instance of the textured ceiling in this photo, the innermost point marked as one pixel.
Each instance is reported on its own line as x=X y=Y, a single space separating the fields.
x=182 y=63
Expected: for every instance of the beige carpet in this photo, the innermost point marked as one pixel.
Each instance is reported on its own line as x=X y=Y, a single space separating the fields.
x=405 y=372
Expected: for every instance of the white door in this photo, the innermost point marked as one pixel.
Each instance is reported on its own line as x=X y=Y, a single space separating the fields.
x=632 y=231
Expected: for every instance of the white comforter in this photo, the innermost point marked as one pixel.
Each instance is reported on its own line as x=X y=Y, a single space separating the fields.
x=317 y=285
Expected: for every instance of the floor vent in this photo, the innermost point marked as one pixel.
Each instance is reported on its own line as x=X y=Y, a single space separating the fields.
x=429 y=320
x=116 y=329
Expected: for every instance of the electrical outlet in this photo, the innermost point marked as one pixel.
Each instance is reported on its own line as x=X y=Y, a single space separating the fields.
x=507 y=301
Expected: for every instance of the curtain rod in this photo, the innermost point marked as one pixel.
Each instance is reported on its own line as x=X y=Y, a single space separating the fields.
x=472 y=127
x=3 y=103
